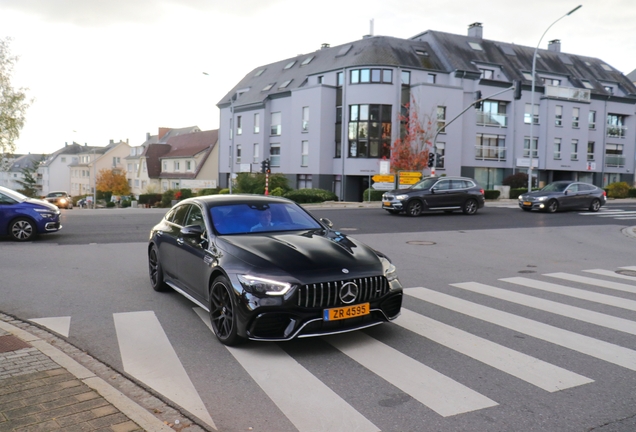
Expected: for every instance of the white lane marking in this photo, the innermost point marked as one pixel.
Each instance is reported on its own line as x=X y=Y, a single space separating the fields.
x=604 y=211
x=530 y=369
x=575 y=292
x=60 y=325
x=584 y=344
x=577 y=313
x=625 y=218
x=147 y=354
x=592 y=281
x=629 y=268
x=438 y=392
x=611 y=274
x=305 y=400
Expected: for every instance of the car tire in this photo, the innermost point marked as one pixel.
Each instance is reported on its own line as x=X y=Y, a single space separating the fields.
x=22 y=229
x=595 y=205
x=223 y=312
x=553 y=206
x=470 y=207
x=414 y=208
x=155 y=271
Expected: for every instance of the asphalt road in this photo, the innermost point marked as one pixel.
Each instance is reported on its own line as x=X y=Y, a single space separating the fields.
x=490 y=298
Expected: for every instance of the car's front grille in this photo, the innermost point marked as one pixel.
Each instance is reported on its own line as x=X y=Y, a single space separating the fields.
x=327 y=294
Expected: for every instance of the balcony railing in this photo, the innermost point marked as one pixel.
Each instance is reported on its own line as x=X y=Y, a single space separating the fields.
x=616 y=131
x=615 y=161
x=562 y=92
x=491 y=119
x=492 y=153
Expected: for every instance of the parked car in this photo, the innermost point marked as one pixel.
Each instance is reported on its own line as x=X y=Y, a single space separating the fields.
x=22 y=218
x=60 y=198
x=265 y=269
x=566 y=194
x=446 y=194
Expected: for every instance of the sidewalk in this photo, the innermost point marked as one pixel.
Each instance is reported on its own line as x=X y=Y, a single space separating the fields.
x=46 y=384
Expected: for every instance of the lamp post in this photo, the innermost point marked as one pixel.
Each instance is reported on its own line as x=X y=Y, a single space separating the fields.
x=534 y=66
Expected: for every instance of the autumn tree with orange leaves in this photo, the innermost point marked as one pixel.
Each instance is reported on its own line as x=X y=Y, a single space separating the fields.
x=112 y=180
x=410 y=151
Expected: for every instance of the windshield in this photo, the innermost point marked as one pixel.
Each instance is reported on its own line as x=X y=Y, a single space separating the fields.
x=555 y=187
x=56 y=194
x=13 y=194
x=260 y=218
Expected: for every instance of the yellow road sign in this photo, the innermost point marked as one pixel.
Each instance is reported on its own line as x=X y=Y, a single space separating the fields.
x=409 y=180
x=383 y=178
x=411 y=174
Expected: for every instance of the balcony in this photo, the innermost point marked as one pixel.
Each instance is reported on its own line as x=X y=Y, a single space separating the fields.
x=616 y=131
x=577 y=94
x=614 y=161
x=491 y=119
x=490 y=153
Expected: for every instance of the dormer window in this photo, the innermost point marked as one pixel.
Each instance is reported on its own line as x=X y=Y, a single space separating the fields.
x=285 y=84
x=290 y=64
x=268 y=87
x=475 y=46
x=307 y=60
x=259 y=73
x=587 y=85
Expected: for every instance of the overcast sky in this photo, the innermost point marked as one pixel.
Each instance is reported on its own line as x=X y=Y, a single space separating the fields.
x=116 y=69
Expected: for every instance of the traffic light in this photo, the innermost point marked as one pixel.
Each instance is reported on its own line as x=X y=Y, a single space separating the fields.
x=264 y=166
x=267 y=166
x=431 y=159
x=517 y=84
x=477 y=99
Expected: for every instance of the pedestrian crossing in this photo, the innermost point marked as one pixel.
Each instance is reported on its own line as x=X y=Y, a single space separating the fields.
x=311 y=404
x=618 y=214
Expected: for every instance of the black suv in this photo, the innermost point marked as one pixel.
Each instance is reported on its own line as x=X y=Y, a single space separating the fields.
x=436 y=194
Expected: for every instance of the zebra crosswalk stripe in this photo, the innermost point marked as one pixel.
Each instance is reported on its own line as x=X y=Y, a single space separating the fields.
x=592 y=317
x=584 y=344
x=532 y=370
x=593 y=281
x=433 y=389
x=610 y=274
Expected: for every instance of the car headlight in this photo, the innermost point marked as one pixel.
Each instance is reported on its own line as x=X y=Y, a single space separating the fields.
x=46 y=214
x=401 y=197
x=541 y=198
x=257 y=285
x=390 y=273
x=62 y=200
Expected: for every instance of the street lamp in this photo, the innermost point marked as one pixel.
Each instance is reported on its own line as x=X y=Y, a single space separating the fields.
x=534 y=65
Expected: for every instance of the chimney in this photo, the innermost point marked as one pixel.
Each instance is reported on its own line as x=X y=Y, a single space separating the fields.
x=554 y=45
x=476 y=30
x=325 y=45
x=147 y=136
x=163 y=131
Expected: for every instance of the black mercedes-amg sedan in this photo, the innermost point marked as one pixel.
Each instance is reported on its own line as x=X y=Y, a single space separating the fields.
x=267 y=270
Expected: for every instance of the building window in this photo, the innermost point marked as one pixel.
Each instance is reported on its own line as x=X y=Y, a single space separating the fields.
x=616 y=126
x=320 y=79
x=165 y=166
x=304 y=181
x=431 y=78
x=591 y=119
x=339 y=79
x=231 y=129
x=129 y=169
x=558 y=115
x=614 y=155
x=574 y=154
x=305 y=124
x=492 y=113
x=304 y=153
x=587 y=85
x=440 y=151
x=174 y=185
x=276 y=126
x=136 y=183
x=609 y=89
x=575 y=117
x=405 y=78
x=116 y=161
x=257 y=123
x=63 y=159
x=239 y=128
x=176 y=166
x=255 y=154
x=590 y=150
x=188 y=165
x=274 y=155
x=144 y=183
x=551 y=81
x=365 y=76
x=557 y=148
x=369 y=131
x=526 y=147
x=528 y=114
x=487 y=74
x=490 y=147
x=441 y=118
x=238 y=153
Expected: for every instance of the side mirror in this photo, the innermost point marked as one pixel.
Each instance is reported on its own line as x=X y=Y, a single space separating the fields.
x=326 y=222
x=567 y=192
x=192 y=231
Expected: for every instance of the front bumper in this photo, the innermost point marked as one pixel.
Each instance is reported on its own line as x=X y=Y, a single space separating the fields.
x=393 y=205
x=532 y=204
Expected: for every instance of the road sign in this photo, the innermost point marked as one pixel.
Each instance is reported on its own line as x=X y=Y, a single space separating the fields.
x=416 y=174
x=387 y=178
x=409 y=180
x=383 y=186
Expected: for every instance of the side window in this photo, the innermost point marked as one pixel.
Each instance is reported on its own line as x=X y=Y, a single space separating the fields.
x=460 y=184
x=443 y=185
x=573 y=188
x=170 y=215
x=6 y=200
x=180 y=215
x=195 y=217
x=586 y=188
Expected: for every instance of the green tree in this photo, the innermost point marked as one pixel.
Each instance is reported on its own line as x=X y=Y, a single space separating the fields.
x=13 y=102
x=29 y=179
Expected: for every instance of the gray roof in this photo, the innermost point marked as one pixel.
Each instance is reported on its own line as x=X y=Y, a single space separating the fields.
x=26 y=161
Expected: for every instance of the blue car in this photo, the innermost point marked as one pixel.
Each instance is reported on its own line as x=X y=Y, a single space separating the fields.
x=22 y=218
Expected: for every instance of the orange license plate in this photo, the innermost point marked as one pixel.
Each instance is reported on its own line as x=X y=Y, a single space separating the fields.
x=527 y=203
x=386 y=204
x=346 y=312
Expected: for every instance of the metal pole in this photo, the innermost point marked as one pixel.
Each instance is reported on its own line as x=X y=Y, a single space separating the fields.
x=232 y=145
x=534 y=64
x=94 y=180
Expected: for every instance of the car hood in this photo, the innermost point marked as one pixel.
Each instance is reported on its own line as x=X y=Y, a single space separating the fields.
x=317 y=254
x=44 y=204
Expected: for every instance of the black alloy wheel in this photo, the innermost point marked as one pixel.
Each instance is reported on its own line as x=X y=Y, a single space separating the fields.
x=22 y=230
x=222 y=312
x=155 y=271
x=414 y=208
x=470 y=206
x=553 y=206
x=595 y=205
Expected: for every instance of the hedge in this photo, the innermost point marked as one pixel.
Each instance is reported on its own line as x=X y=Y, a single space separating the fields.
x=372 y=195
x=491 y=194
x=150 y=199
x=303 y=196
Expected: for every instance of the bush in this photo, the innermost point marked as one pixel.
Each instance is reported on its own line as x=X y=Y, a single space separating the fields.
x=302 y=196
x=516 y=181
x=204 y=192
x=618 y=190
x=110 y=204
x=372 y=195
x=255 y=183
x=278 y=192
x=183 y=194
x=632 y=193
x=514 y=193
x=166 y=198
x=491 y=194
x=224 y=191
x=149 y=199
x=125 y=203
